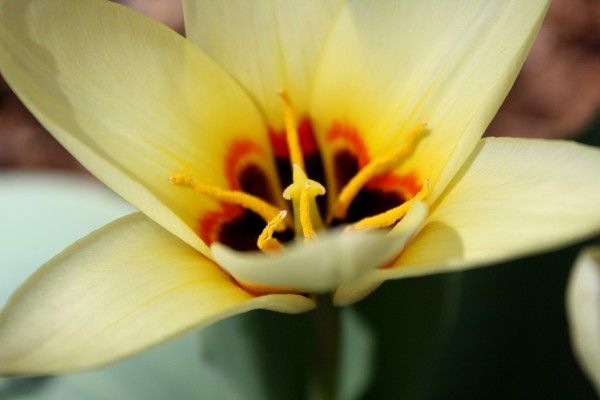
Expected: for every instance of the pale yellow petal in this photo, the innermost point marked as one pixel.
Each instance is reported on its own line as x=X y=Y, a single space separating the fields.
x=391 y=65
x=583 y=312
x=321 y=265
x=124 y=288
x=315 y=267
x=513 y=197
x=132 y=100
x=265 y=45
x=356 y=289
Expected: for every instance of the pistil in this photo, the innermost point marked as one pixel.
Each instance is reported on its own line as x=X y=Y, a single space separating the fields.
x=302 y=193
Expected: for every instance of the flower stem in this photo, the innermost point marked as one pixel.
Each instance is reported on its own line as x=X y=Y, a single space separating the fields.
x=326 y=332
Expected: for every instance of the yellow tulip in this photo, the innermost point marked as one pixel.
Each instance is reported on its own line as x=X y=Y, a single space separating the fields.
x=380 y=112
x=582 y=300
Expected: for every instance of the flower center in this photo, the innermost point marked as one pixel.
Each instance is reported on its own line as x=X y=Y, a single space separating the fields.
x=303 y=192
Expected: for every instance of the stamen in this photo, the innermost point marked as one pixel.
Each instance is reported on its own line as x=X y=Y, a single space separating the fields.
x=391 y=216
x=252 y=203
x=302 y=192
x=376 y=166
x=266 y=242
x=291 y=130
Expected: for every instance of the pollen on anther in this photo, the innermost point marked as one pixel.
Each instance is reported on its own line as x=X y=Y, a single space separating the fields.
x=266 y=241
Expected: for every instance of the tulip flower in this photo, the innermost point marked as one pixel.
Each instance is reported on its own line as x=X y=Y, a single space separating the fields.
x=284 y=152
x=583 y=300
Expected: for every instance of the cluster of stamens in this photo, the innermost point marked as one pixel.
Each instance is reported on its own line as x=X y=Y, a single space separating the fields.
x=302 y=192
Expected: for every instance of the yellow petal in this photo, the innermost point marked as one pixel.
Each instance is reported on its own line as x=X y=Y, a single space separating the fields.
x=388 y=66
x=124 y=288
x=131 y=99
x=512 y=198
x=354 y=290
x=315 y=267
x=320 y=265
x=583 y=312
x=265 y=45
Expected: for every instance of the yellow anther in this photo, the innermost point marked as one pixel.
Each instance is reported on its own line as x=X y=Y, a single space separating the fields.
x=291 y=130
x=376 y=166
x=391 y=216
x=266 y=242
x=302 y=192
x=252 y=203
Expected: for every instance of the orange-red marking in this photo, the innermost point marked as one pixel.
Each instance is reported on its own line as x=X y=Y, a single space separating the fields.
x=210 y=223
x=238 y=150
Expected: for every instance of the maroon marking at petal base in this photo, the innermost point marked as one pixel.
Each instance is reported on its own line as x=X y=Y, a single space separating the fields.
x=234 y=225
x=380 y=193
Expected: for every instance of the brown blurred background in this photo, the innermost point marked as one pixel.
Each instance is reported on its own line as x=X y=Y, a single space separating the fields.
x=556 y=95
